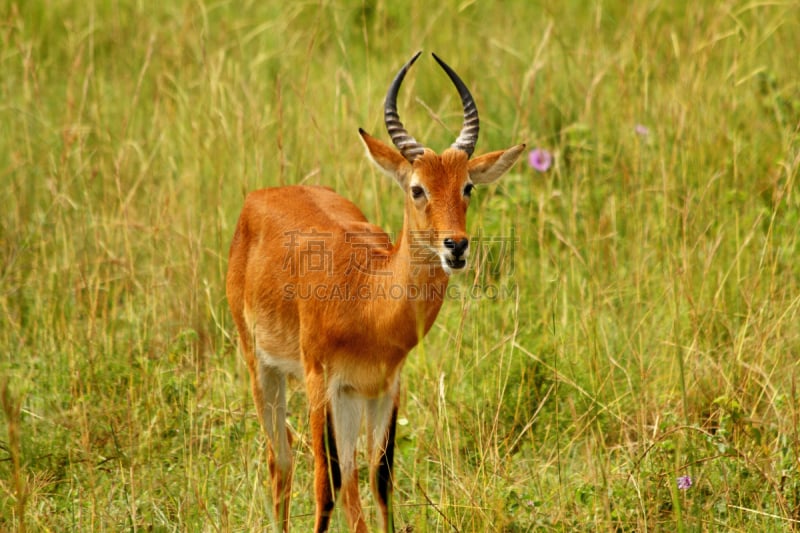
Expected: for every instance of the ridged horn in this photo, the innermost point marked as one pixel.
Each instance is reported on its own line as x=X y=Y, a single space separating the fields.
x=469 y=130
x=407 y=145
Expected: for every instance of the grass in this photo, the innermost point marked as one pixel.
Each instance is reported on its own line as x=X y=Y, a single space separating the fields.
x=645 y=326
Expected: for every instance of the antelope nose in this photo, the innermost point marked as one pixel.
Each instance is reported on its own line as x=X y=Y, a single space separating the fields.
x=458 y=248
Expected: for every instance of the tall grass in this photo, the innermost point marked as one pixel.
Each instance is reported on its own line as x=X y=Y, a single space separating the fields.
x=644 y=324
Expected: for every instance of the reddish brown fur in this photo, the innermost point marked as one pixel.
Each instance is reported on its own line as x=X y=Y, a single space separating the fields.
x=348 y=351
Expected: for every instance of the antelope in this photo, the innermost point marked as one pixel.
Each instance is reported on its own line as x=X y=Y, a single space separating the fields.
x=319 y=293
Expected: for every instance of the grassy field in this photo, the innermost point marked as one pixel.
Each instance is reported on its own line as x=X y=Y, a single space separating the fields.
x=632 y=318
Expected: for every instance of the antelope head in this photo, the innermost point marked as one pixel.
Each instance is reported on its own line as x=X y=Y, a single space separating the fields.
x=437 y=187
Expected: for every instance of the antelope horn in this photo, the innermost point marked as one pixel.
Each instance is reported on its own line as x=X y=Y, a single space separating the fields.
x=469 y=130
x=407 y=145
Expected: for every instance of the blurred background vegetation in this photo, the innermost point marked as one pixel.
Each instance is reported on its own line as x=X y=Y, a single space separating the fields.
x=645 y=324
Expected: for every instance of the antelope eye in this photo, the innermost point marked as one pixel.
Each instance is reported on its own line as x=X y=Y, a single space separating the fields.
x=468 y=190
x=417 y=192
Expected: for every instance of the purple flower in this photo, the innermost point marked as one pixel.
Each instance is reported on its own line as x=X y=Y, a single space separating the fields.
x=684 y=482
x=540 y=159
x=642 y=130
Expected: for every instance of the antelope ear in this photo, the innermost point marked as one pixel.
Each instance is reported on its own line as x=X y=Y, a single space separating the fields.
x=390 y=161
x=488 y=168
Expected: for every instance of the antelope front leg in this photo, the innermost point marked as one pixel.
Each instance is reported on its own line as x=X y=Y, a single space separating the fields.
x=327 y=476
x=346 y=411
x=381 y=423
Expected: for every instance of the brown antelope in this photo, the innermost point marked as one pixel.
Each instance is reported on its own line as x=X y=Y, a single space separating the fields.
x=319 y=293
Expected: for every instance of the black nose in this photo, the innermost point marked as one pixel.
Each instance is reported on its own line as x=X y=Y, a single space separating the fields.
x=458 y=248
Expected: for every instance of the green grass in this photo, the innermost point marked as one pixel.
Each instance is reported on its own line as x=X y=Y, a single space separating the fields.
x=647 y=328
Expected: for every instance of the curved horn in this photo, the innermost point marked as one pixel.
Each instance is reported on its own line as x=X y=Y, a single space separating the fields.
x=469 y=130
x=407 y=145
